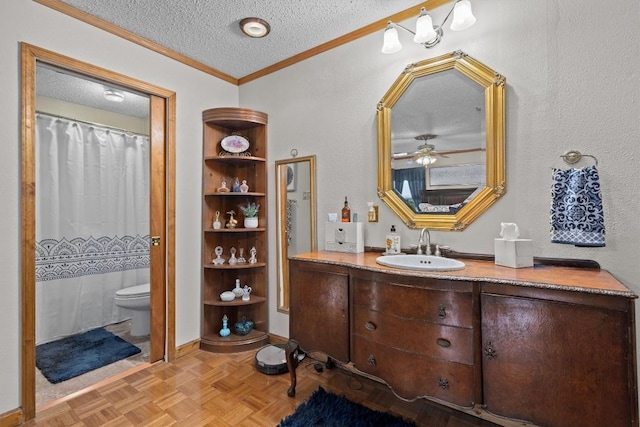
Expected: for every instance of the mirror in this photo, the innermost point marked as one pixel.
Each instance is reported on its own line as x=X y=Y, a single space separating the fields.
x=296 y=216
x=441 y=155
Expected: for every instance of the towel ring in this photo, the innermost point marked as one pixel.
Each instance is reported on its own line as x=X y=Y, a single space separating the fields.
x=574 y=156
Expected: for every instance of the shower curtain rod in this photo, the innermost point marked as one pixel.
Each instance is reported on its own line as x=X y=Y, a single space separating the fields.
x=90 y=123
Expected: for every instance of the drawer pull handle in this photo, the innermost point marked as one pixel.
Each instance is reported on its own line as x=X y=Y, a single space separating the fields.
x=442 y=342
x=441 y=311
x=370 y=326
x=490 y=352
x=371 y=360
x=443 y=383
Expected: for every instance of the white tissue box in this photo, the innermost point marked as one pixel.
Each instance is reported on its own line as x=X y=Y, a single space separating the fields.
x=516 y=253
x=344 y=237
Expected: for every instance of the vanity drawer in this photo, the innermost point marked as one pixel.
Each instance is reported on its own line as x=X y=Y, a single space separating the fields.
x=447 y=307
x=418 y=336
x=412 y=375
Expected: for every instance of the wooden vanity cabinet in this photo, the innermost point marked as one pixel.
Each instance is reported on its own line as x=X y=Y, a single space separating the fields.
x=416 y=334
x=516 y=353
x=558 y=358
x=319 y=308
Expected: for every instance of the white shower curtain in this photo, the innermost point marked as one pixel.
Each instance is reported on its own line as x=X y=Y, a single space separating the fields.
x=92 y=223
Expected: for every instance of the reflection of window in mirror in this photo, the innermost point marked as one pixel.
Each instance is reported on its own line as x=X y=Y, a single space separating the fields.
x=433 y=155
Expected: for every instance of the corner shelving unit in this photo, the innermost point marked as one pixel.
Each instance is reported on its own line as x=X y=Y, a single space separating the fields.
x=219 y=166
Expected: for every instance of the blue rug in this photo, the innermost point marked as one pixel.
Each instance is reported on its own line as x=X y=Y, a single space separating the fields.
x=72 y=356
x=330 y=410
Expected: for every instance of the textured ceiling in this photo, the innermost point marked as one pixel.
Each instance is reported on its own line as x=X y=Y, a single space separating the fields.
x=207 y=31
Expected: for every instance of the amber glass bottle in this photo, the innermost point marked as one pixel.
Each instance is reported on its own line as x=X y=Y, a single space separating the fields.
x=346 y=211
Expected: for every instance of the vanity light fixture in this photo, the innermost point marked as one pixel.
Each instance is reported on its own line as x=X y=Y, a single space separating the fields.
x=255 y=27
x=426 y=33
x=113 y=95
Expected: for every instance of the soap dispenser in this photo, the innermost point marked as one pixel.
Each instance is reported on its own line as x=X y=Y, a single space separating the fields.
x=392 y=242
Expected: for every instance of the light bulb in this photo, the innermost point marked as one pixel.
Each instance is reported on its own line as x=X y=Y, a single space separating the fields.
x=391 y=40
x=462 y=16
x=424 y=28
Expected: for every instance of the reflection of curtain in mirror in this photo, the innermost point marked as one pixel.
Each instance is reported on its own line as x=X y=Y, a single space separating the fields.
x=92 y=226
x=415 y=177
x=291 y=204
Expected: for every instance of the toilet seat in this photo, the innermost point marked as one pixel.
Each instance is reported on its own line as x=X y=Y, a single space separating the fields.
x=134 y=291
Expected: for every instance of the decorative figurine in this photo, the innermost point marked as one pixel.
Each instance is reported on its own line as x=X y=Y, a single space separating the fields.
x=238 y=291
x=223 y=187
x=236 y=186
x=218 y=260
x=216 y=223
x=244 y=188
x=241 y=259
x=232 y=259
x=232 y=221
x=252 y=258
x=225 y=331
x=246 y=295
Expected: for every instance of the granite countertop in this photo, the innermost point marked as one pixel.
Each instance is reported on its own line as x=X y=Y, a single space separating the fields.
x=539 y=276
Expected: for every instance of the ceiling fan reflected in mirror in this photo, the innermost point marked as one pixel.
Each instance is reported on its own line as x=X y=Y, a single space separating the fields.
x=426 y=154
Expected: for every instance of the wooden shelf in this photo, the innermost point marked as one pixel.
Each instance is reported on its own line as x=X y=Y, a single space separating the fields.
x=235 y=303
x=235 y=230
x=234 y=343
x=235 y=266
x=218 y=123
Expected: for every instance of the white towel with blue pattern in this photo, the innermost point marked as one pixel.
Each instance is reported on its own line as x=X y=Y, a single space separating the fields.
x=576 y=207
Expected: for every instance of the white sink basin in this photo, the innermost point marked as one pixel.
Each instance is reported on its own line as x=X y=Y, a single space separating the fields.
x=420 y=262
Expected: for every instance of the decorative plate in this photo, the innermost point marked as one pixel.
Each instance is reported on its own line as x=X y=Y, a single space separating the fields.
x=235 y=144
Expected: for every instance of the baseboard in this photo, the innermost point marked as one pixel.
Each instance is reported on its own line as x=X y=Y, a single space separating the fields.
x=277 y=339
x=11 y=418
x=187 y=348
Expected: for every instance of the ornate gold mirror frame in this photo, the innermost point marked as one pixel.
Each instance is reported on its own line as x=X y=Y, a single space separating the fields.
x=495 y=183
x=296 y=216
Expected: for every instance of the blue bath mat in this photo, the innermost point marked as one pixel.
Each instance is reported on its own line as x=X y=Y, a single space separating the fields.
x=72 y=356
x=330 y=410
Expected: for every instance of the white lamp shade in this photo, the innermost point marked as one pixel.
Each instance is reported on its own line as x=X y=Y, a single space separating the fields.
x=426 y=160
x=424 y=29
x=391 y=41
x=462 y=16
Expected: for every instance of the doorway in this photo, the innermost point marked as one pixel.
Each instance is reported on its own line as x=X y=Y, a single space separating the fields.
x=161 y=207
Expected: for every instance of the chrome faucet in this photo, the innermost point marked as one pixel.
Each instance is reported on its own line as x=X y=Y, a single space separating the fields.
x=421 y=242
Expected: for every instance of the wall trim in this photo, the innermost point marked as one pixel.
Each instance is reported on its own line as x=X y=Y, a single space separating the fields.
x=11 y=418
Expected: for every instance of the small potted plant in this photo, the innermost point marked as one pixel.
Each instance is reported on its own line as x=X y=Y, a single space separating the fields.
x=250 y=212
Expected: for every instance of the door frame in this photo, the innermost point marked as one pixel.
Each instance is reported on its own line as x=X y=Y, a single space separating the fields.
x=162 y=203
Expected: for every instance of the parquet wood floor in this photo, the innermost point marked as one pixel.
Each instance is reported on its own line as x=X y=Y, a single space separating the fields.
x=206 y=389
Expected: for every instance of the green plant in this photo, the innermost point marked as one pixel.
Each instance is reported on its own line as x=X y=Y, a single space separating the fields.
x=250 y=209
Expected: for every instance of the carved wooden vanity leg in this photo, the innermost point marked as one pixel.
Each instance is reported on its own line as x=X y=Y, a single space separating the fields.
x=290 y=353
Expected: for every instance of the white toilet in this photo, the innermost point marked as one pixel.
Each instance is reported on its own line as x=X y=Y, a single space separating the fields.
x=136 y=299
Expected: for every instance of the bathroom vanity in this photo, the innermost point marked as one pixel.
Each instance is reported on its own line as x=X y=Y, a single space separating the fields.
x=546 y=345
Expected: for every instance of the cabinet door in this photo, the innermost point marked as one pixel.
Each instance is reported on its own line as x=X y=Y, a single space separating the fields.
x=556 y=364
x=318 y=315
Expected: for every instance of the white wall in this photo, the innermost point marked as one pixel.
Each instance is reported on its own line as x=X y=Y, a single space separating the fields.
x=27 y=21
x=572 y=70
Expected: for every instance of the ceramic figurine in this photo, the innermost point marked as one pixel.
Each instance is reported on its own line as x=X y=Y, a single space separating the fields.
x=218 y=260
x=244 y=327
x=236 y=186
x=232 y=221
x=216 y=223
x=232 y=259
x=223 y=187
x=225 y=331
x=244 y=188
x=241 y=259
x=252 y=258
x=238 y=291
x=246 y=293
